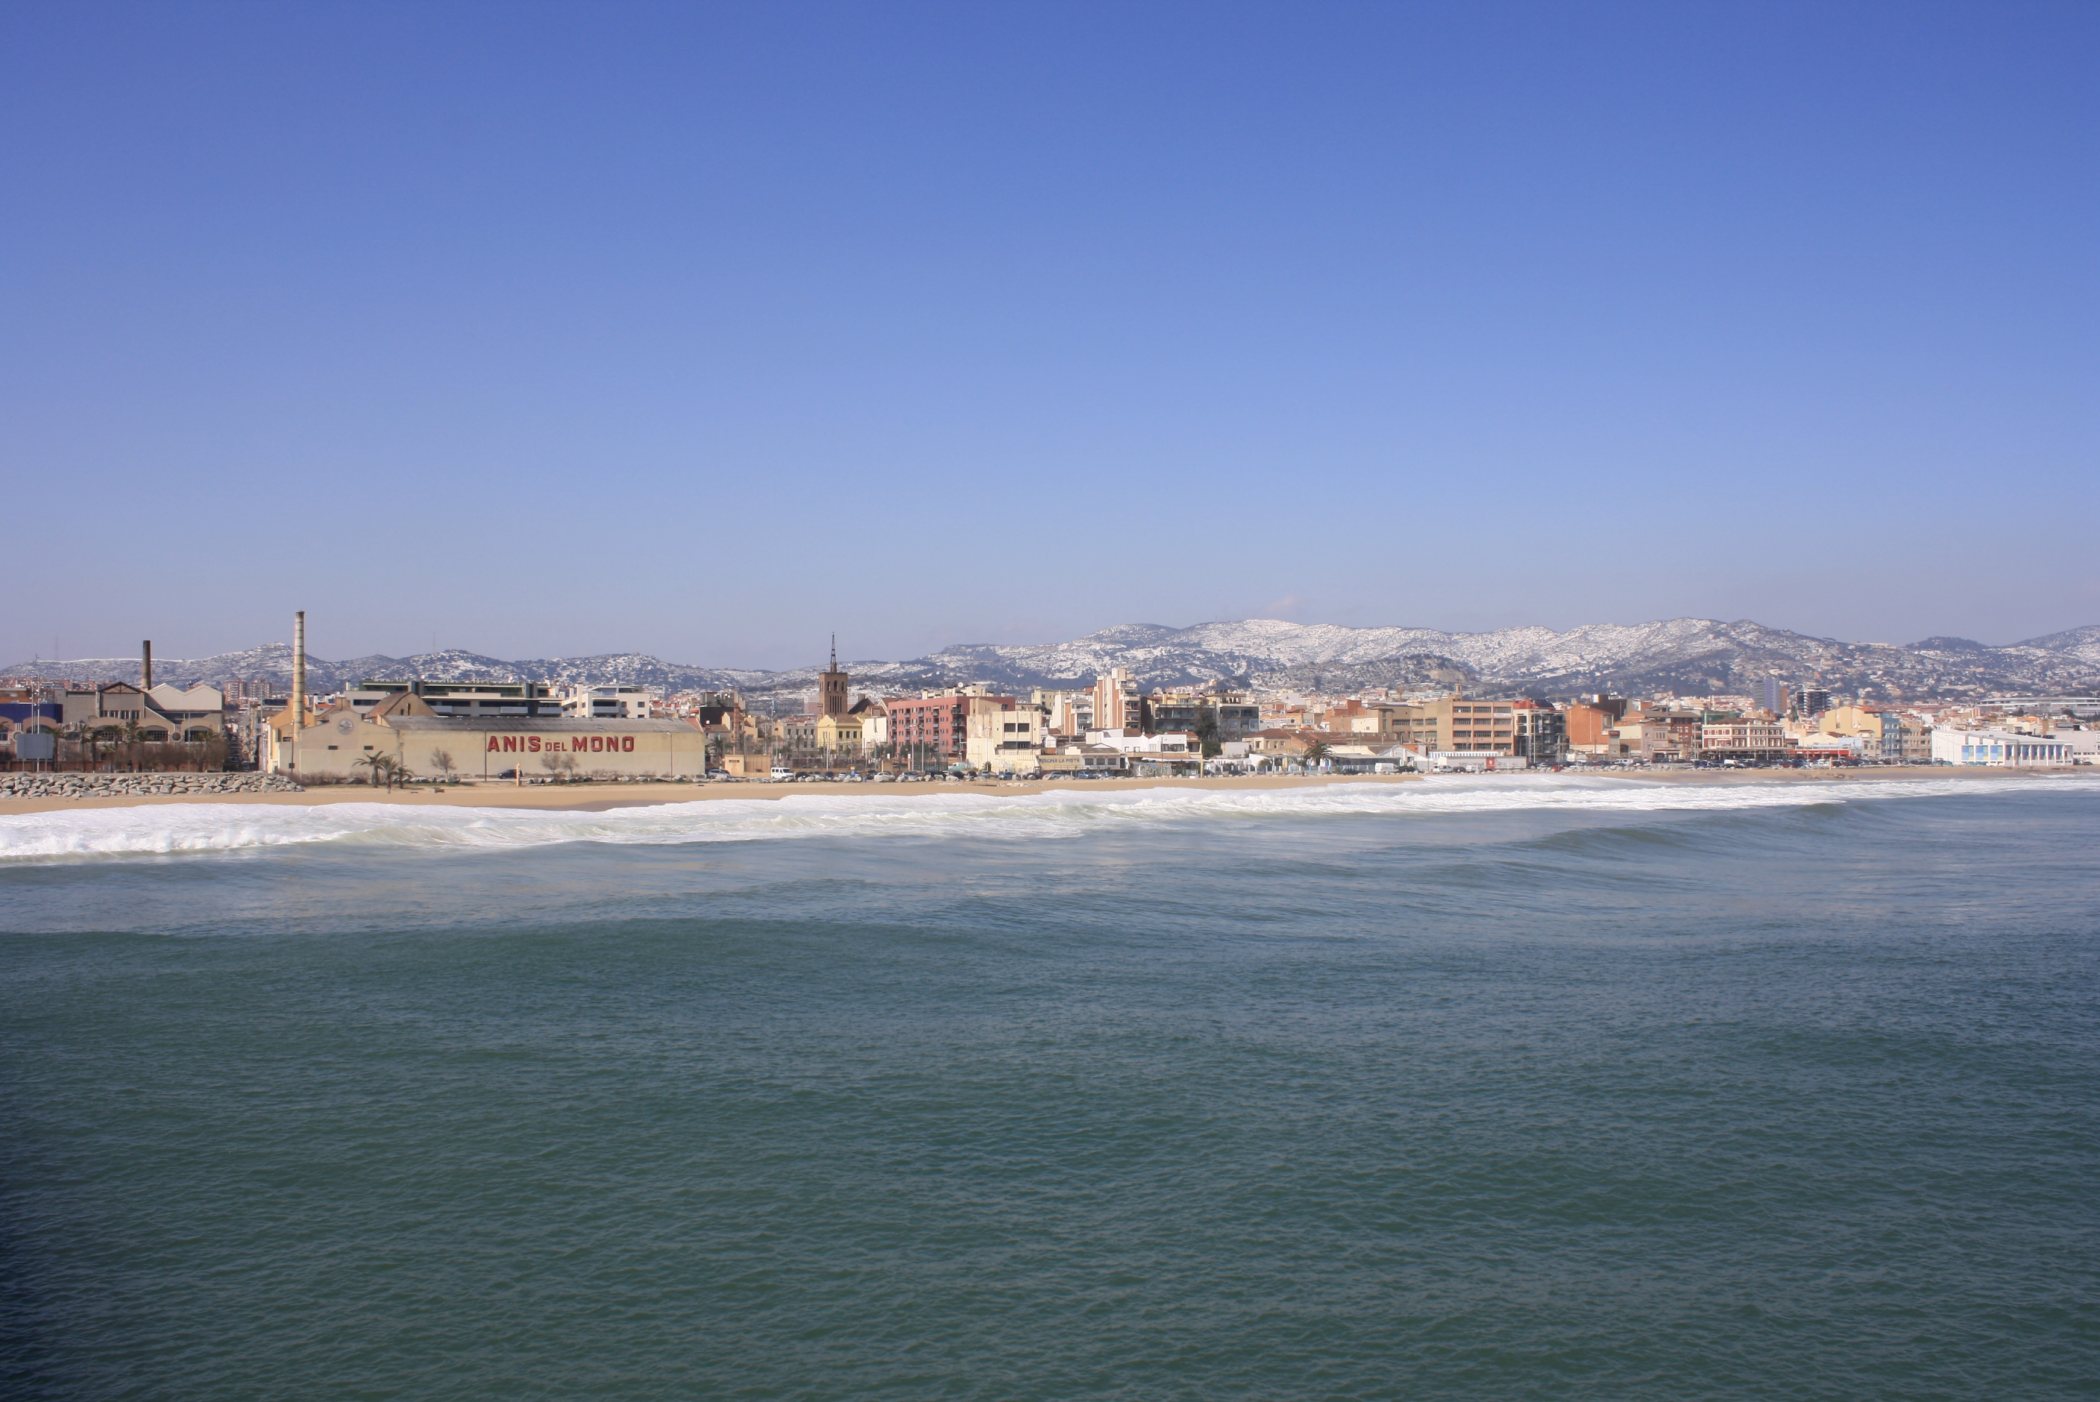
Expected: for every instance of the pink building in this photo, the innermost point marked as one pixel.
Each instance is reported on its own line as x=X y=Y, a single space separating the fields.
x=926 y=728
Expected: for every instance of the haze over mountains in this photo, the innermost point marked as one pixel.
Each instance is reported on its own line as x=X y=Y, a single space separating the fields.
x=1688 y=655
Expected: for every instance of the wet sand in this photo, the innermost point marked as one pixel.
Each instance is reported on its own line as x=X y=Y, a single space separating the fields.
x=590 y=797
x=1874 y=774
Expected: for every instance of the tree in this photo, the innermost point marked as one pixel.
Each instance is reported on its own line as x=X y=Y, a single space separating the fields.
x=132 y=731
x=1209 y=737
x=444 y=764
x=379 y=765
x=1315 y=752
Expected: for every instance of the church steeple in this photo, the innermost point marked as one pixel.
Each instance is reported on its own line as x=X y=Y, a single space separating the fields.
x=831 y=686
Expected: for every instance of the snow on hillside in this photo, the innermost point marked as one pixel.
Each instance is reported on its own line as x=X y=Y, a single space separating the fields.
x=1682 y=654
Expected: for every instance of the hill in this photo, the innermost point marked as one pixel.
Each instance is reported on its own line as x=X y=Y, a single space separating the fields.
x=1689 y=655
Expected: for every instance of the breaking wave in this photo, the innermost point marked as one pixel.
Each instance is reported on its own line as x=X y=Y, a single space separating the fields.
x=206 y=828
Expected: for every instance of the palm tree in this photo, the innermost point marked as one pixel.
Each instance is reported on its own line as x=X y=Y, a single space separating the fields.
x=1315 y=752
x=131 y=732
x=378 y=764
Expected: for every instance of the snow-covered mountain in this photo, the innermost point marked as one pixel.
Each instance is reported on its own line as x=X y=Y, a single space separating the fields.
x=1692 y=655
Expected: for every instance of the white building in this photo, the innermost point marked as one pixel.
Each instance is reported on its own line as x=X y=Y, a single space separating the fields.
x=1066 y=712
x=1130 y=742
x=1845 y=749
x=1474 y=761
x=608 y=702
x=2000 y=748
x=1004 y=739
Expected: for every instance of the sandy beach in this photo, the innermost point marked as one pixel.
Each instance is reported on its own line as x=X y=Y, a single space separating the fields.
x=588 y=797
x=596 y=797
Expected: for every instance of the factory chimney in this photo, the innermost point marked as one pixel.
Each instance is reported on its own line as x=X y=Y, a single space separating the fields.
x=298 y=670
x=146 y=665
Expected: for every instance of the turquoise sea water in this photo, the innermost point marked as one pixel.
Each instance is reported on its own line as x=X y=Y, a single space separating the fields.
x=1496 y=1088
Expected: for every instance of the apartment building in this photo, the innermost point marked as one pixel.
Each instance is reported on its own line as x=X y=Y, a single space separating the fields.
x=1233 y=714
x=589 y=702
x=1454 y=723
x=1588 y=722
x=1542 y=732
x=1003 y=738
x=798 y=734
x=470 y=698
x=1741 y=737
x=1066 y=712
x=1117 y=704
x=1666 y=736
x=933 y=729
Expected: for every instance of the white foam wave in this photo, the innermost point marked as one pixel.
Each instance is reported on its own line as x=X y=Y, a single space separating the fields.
x=147 y=831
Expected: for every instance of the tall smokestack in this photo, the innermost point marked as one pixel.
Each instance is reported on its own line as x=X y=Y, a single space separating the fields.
x=298 y=670
x=146 y=665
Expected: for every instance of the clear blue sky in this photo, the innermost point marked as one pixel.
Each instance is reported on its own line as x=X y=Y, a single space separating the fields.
x=705 y=330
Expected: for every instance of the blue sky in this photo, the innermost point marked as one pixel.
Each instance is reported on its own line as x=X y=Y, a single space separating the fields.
x=706 y=330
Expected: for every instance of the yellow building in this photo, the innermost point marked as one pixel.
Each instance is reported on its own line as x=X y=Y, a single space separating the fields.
x=839 y=735
x=1453 y=723
x=1850 y=720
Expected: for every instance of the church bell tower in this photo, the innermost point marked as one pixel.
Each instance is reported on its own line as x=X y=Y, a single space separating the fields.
x=831 y=685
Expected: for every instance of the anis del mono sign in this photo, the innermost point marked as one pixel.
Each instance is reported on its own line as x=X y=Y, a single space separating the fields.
x=555 y=744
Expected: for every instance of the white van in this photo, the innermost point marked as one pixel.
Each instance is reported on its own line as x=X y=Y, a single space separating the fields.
x=781 y=773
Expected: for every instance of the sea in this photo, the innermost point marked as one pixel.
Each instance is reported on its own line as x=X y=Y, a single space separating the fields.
x=1496 y=1087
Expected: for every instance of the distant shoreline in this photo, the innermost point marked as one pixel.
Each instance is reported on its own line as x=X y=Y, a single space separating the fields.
x=599 y=797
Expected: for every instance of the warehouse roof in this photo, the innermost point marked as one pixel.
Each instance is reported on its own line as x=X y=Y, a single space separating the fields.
x=559 y=725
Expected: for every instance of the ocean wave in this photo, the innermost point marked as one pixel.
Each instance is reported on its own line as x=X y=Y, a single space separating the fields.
x=179 y=829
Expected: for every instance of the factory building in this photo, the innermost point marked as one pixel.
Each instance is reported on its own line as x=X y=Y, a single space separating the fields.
x=340 y=741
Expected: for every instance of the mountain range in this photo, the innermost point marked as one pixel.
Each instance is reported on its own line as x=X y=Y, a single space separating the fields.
x=1693 y=656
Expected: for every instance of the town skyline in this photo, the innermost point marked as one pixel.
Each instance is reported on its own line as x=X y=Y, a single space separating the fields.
x=1662 y=655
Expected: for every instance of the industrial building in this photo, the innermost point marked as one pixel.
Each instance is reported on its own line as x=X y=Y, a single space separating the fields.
x=480 y=741
x=341 y=743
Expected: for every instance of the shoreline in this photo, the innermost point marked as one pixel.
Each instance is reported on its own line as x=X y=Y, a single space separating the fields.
x=597 y=798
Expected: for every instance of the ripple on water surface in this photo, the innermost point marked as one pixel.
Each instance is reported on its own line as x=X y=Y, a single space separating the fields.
x=1521 y=1091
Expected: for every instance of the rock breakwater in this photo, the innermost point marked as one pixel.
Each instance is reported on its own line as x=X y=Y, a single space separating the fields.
x=72 y=785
